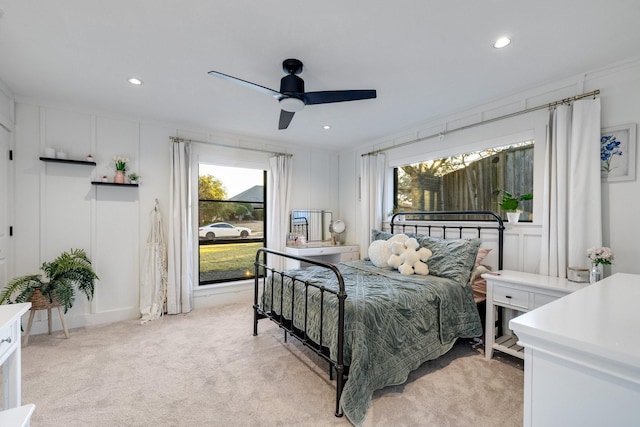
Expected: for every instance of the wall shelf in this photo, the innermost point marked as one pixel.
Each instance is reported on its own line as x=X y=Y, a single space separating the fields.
x=68 y=161
x=113 y=184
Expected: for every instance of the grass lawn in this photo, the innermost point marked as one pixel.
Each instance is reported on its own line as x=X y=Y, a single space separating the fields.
x=236 y=257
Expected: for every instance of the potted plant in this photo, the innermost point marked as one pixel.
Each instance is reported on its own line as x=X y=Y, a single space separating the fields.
x=134 y=178
x=510 y=203
x=61 y=278
x=121 y=168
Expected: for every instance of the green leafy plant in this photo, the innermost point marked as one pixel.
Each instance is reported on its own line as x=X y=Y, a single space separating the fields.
x=134 y=176
x=61 y=278
x=509 y=202
x=120 y=163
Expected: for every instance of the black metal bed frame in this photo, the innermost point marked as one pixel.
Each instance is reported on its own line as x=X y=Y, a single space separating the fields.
x=415 y=226
x=342 y=372
x=263 y=271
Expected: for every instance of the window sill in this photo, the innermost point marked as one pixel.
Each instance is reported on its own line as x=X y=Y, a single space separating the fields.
x=224 y=293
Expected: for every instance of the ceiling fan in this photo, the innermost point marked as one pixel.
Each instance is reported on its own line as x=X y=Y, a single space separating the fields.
x=292 y=97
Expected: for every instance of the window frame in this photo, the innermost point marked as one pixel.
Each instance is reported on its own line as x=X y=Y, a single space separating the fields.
x=518 y=130
x=228 y=241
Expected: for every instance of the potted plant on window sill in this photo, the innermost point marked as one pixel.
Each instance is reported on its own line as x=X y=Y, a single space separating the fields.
x=57 y=286
x=510 y=204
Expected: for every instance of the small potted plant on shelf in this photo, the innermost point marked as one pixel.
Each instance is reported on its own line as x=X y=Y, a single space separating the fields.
x=134 y=178
x=121 y=168
x=510 y=203
x=69 y=272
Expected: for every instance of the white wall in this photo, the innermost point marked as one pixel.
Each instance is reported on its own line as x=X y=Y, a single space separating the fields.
x=6 y=215
x=620 y=91
x=54 y=207
x=58 y=208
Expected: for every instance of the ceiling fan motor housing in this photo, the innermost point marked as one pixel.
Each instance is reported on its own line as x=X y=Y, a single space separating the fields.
x=292 y=85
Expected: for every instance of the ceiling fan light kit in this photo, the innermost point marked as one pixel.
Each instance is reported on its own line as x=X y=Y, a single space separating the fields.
x=292 y=97
x=293 y=105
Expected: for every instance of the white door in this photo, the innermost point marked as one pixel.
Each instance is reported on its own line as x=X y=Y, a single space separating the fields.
x=4 y=201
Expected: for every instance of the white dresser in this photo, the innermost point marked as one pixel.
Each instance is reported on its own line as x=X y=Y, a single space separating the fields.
x=521 y=292
x=10 y=348
x=322 y=251
x=582 y=356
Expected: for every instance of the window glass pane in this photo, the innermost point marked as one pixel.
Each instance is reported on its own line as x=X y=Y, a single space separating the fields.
x=231 y=226
x=469 y=181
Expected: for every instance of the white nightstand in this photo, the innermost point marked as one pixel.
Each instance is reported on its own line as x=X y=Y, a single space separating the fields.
x=521 y=292
x=322 y=251
x=10 y=353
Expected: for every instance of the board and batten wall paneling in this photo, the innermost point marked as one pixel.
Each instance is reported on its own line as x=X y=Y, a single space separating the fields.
x=26 y=203
x=117 y=219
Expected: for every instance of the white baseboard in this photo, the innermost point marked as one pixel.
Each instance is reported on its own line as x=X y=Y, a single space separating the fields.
x=40 y=324
x=204 y=296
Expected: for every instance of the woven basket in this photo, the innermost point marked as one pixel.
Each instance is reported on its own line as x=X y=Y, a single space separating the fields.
x=40 y=302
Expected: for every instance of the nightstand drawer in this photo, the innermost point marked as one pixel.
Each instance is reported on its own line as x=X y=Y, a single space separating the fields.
x=7 y=338
x=512 y=297
x=349 y=256
x=541 y=299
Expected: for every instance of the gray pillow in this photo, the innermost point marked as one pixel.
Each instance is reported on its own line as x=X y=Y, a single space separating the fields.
x=453 y=259
x=385 y=235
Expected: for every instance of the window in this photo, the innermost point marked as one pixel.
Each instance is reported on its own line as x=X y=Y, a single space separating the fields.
x=470 y=181
x=231 y=222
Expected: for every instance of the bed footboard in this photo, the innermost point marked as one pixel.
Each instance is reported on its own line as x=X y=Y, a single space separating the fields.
x=267 y=276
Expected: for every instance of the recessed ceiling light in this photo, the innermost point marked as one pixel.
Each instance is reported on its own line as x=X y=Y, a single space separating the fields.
x=326 y=127
x=135 y=81
x=502 y=42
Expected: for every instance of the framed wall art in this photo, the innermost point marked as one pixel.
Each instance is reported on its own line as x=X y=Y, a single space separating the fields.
x=618 y=153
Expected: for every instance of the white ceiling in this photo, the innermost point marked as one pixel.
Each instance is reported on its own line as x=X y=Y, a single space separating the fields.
x=425 y=58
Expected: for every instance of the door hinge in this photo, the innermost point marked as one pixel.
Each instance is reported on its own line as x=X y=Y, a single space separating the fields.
x=10 y=154
x=10 y=230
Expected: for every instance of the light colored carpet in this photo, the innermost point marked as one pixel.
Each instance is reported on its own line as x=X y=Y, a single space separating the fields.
x=207 y=369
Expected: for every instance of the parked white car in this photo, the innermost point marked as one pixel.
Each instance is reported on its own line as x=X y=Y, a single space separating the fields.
x=222 y=229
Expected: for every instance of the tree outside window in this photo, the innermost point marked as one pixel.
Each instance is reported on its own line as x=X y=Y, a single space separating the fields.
x=469 y=181
x=231 y=226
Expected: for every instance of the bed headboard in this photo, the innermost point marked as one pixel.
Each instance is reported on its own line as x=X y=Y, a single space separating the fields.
x=453 y=224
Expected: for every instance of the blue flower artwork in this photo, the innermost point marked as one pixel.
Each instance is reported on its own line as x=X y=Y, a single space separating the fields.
x=618 y=153
x=609 y=147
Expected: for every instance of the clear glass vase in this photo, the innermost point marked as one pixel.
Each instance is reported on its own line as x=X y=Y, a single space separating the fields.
x=594 y=273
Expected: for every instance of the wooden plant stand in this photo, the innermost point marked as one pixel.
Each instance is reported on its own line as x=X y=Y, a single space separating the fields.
x=40 y=302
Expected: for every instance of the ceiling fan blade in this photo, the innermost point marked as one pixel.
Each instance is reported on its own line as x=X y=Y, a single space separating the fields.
x=329 y=96
x=245 y=83
x=285 y=119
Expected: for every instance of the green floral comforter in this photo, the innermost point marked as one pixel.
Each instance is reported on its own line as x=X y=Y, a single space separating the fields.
x=393 y=323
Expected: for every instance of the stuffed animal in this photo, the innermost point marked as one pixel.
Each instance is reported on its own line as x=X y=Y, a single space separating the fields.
x=380 y=250
x=413 y=259
x=395 y=259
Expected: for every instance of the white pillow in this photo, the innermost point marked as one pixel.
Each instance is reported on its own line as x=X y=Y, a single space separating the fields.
x=378 y=253
x=380 y=250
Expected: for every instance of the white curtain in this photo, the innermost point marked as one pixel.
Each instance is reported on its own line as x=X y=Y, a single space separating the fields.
x=153 y=287
x=278 y=204
x=572 y=216
x=181 y=234
x=372 y=170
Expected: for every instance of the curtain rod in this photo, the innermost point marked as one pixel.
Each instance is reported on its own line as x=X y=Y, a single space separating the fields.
x=219 y=144
x=484 y=122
